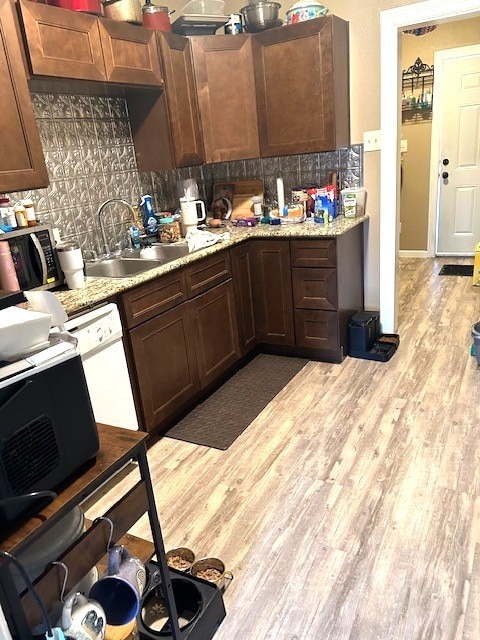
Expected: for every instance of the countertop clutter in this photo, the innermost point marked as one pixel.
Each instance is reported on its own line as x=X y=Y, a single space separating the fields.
x=98 y=290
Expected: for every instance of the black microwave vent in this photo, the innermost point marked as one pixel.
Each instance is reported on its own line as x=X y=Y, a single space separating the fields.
x=29 y=454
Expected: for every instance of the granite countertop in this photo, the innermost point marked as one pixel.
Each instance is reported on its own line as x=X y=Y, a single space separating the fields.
x=99 y=290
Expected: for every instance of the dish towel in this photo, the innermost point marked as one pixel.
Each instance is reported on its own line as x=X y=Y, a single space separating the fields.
x=198 y=239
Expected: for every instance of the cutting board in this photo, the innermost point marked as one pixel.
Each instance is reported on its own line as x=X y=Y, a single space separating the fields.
x=242 y=206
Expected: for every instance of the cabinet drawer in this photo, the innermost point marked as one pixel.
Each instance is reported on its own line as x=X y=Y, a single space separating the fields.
x=62 y=43
x=315 y=289
x=314 y=253
x=316 y=329
x=208 y=273
x=149 y=300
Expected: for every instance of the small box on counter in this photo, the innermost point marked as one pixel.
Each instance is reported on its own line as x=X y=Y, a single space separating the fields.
x=353 y=202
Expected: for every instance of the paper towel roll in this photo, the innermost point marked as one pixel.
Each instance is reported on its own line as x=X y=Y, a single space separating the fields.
x=8 y=275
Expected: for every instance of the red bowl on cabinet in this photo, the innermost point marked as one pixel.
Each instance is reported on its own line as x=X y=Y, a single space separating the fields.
x=87 y=6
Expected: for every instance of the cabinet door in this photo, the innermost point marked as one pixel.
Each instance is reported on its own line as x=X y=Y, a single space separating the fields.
x=164 y=354
x=130 y=53
x=272 y=289
x=215 y=331
x=181 y=99
x=302 y=82
x=22 y=165
x=62 y=43
x=243 y=273
x=226 y=96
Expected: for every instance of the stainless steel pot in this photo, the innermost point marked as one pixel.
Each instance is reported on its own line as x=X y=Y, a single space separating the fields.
x=213 y=570
x=123 y=10
x=261 y=15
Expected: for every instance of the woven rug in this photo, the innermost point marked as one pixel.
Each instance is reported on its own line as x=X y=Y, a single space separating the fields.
x=456 y=270
x=222 y=417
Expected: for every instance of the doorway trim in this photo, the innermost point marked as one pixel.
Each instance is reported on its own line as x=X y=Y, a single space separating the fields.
x=435 y=166
x=391 y=22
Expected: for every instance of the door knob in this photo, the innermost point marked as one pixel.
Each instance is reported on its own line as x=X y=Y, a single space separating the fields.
x=445 y=175
x=445 y=162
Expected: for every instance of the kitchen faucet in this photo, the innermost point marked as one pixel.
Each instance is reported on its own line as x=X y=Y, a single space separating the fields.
x=100 y=211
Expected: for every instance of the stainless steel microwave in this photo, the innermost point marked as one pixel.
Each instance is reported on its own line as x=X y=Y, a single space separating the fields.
x=34 y=257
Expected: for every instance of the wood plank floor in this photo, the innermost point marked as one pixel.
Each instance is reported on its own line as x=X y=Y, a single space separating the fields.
x=350 y=508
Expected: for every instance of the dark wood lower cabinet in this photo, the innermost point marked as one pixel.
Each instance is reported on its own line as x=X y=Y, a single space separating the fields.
x=192 y=326
x=243 y=277
x=215 y=332
x=164 y=356
x=272 y=292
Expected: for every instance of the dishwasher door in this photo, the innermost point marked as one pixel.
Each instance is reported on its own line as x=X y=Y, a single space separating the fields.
x=99 y=335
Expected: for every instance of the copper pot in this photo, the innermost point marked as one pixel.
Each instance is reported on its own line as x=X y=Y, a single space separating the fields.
x=123 y=10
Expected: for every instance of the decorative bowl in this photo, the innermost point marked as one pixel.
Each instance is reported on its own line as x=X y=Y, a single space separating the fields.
x=259 y=16
x=305 y=10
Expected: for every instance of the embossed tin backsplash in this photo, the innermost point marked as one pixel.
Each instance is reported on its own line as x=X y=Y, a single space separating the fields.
x=90 y=157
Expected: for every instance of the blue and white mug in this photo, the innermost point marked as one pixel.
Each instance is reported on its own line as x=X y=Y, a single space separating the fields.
x=120 y=589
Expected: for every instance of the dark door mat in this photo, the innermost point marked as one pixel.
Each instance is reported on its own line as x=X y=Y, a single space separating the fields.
x=456 y=270
x=224 y=415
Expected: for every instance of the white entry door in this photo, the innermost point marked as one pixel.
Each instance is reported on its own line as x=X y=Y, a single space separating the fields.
x=457 y=114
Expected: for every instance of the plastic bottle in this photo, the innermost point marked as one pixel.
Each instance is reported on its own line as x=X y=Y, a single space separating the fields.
x=134 y=236
x=4 y=209
x=20 y=215
x=30 y=212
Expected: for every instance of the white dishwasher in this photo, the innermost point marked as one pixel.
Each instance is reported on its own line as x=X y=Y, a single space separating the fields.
x=99 y=335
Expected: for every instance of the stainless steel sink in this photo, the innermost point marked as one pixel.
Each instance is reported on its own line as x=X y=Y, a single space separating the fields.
x=165 y=252
x=119 y=267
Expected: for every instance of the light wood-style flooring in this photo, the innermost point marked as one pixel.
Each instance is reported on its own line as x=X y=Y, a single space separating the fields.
x=350 y=508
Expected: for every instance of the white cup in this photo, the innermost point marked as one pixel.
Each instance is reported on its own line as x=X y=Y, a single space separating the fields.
x=190 y=213
x=71 y=262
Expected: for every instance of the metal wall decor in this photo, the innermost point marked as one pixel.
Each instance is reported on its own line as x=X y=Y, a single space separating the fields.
x=417 y=86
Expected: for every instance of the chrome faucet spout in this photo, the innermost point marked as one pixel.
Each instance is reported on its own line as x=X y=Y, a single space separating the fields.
x=101 y=209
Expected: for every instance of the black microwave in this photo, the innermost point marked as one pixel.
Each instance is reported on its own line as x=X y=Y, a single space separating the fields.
x=34 y=257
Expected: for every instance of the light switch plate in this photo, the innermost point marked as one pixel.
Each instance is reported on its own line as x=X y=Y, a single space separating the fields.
x=371 y=140
x=403 y=146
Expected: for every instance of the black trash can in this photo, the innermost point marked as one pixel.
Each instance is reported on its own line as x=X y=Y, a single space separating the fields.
x=476 y=339
x=363 y=329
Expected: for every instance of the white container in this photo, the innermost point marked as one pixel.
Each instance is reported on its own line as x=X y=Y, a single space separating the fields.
x=207 y=7
x=353 y=202
x=71 y=262
x=22 y=330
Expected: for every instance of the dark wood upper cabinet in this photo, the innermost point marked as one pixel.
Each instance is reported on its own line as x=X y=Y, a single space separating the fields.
x=22 y=165
x=62 y=43
x=226 y=96
x=302 y=86
x=130 y=53
x=169 y=118
x=181 y=99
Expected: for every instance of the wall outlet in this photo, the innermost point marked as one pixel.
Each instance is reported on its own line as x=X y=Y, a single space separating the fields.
x=371 y=140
